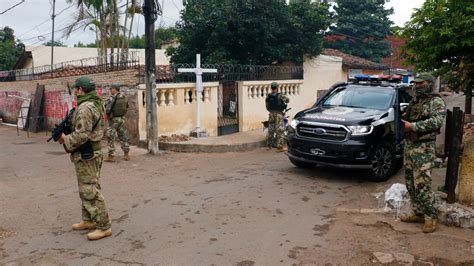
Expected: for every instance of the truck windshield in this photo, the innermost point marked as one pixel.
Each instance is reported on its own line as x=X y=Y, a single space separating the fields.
x=361 y=97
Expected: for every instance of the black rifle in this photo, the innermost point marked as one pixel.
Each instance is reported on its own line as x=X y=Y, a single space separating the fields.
x=64 y=127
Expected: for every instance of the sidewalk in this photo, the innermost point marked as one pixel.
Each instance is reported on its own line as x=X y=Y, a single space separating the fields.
x=240 y=141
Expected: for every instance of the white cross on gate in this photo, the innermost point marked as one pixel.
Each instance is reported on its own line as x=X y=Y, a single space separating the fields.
x=199 y=87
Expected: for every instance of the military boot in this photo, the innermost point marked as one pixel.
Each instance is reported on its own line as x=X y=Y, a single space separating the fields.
x=109 y=158
x=430 y=225
x=412 y=219
x=98 y=234
x=126 y=157
x=282 y=149
x=83 y=225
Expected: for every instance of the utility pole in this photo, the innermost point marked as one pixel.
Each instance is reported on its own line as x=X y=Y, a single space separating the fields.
x=151 y=9
x=52 y=38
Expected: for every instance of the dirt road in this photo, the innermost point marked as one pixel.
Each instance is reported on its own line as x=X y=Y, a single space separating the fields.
x=205 y=209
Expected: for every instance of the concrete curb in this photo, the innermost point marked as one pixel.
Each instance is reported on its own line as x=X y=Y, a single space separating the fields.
x=193 y=147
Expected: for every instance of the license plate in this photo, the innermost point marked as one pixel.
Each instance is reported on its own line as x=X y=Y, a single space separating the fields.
x=316 y=151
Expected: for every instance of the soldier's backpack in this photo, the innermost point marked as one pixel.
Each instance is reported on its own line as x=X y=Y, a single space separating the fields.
x=274 y=103
x=120 y=106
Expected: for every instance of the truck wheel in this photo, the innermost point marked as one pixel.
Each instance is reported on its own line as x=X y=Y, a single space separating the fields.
x=383 y=162
x=301 y=164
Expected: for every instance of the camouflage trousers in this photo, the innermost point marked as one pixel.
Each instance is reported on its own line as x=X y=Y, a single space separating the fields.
x=117 y=124
x=419 y=160
x=93 y=203
x=276 y=129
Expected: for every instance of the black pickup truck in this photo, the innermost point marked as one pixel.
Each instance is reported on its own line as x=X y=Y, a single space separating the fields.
x=354 y=125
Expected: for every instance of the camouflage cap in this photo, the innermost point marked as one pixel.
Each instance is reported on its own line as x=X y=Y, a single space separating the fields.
x=423 y=77
x=274 y=85
x=85 y=83
x=115 y=86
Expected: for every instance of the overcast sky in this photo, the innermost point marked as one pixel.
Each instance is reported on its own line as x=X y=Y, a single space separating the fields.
x=31 y=20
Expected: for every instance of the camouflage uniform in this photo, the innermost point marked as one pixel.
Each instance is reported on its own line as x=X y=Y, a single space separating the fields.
x=116 y=124
x=88 y=171
x=276 y=127
x=425 y=113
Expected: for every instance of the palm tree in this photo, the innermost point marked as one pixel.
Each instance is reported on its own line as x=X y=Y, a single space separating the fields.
x=104 y=15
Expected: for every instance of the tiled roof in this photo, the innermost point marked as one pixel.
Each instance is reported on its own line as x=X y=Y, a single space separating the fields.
x=352 y=61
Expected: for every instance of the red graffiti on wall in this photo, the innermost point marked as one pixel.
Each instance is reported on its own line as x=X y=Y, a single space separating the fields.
x=10 y=104
x=56 y=104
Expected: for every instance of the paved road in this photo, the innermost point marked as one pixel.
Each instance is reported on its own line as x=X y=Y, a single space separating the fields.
x=203 y=209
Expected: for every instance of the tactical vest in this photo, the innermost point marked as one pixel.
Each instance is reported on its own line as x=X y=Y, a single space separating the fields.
x=120 y=106
x=274 y=103
x=418 y=112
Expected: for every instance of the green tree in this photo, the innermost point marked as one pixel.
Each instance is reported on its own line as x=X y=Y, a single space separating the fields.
x=137 y=42
x=165 y=34
x=363 y=25
x=250 y=31
x=90 y=45
x=56 y=43
x=105 y=17
x=440 y=38
x=10 y=49
x=161 y=35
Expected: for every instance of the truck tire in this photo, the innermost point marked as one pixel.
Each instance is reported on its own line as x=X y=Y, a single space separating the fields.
x=383 y=162
x=301 y=164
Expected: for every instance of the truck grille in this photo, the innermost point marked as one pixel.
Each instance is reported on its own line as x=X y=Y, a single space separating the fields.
x=322 y=131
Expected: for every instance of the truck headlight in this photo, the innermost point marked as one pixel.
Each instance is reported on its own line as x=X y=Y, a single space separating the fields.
x=294 y=123
x=360 y=130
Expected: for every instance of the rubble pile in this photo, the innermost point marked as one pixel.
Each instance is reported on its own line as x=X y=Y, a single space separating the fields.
x=174 y=138
x=398 y=203
x=456 y=215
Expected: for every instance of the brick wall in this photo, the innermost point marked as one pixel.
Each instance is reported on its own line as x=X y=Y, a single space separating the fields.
x=57 y=100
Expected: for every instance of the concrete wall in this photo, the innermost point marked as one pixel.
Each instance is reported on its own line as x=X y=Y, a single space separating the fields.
x=42 y=55
x=252 y=95
x=320 y=74
x=177 y=109
x=57 y=100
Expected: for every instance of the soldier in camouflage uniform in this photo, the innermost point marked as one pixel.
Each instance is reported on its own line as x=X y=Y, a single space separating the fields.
x=424 y=117
x=116 y=108
x=88 y=126
x=276 y=103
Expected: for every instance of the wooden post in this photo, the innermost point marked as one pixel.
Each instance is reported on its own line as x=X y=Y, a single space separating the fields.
x=454 y=153
x=448 y=133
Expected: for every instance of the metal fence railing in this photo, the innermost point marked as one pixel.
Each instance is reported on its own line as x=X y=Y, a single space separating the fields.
x=110 y=62
x=170 y=74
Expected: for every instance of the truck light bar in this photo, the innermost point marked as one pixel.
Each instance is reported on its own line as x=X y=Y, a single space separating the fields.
x=377 y=78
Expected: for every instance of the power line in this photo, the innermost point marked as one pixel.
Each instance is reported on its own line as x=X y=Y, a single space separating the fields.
x=58 y=30
x=22 y=1
x=47 y=20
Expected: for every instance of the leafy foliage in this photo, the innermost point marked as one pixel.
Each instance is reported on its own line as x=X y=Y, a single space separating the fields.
x=363 y=25
x=90 y=45
x=10 y=49
x=165 y=34
x=440 y=37
x=250 y=31
x=108 y=19
x=56 y=43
